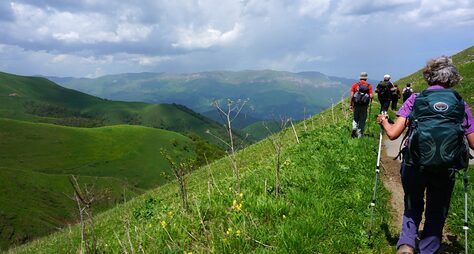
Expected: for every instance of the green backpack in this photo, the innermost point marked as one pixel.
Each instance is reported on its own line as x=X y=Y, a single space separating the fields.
x=436 y=132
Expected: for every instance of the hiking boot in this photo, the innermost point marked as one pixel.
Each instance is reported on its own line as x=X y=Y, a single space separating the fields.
x=405 y=249
x=354 y=134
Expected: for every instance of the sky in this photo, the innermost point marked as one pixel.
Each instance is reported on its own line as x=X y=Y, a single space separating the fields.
x=91 y=38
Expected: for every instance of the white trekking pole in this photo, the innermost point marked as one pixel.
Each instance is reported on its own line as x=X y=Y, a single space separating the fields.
x=466 y=226
x=377 y=173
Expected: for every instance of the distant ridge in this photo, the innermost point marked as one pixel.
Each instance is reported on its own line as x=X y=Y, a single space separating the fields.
x=271 y=93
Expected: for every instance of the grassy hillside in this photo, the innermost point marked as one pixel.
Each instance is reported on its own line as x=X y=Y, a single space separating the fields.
x=262 y=129
x=35 y=204
x=326 y=186
x=40 y=100
x=36 y=160
x=326 y=183
x=129 y=153
x=121 y=157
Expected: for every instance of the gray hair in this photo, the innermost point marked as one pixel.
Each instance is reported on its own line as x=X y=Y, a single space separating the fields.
x=441 y=71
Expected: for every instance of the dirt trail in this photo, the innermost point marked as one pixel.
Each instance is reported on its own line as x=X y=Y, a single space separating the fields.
x=390 y=175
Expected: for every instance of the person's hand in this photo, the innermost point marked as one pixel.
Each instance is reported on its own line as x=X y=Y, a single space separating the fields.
x=381 y=118
x=351 y=108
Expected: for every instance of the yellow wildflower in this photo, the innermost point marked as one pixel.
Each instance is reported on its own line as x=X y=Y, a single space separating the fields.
x=163 y=223
x=237 y=232
x=236 y=206
x=241 y=195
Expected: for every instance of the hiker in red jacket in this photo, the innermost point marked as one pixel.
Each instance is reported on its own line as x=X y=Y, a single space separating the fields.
x=361 y=96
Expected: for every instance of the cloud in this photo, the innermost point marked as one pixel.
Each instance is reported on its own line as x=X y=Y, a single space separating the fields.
x=292 y=61
x=206 y=38
x=59 y=58
x=454 y=13
x=88 y=28
x=77 y=38
x=313 y=8
x=368 y=7
x=150 y=61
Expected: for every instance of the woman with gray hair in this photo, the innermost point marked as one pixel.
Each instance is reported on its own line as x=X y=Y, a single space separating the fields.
x=437 y=120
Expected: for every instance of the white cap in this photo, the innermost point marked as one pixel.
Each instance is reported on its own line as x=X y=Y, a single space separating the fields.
x=386 y=77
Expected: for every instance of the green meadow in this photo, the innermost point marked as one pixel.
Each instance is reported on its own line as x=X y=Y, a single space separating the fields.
x=326 y=186
x=325 y=181
x=37 y=159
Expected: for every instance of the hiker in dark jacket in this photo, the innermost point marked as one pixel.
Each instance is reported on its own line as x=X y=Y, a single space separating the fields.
x=407 y=92
x=437 y=181
x=361 y=96
x=395 y=96
x=384 y=94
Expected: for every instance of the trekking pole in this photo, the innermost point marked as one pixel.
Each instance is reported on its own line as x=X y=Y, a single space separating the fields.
x=368 y=116
x=466 y=226
x=377 y=172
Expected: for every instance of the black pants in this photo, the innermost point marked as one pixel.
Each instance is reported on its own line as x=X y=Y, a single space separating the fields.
x=439 y=187
x=385 y=104
x=394 y=104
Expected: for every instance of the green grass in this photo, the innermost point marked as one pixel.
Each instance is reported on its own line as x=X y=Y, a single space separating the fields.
x=262 y=129
x=35 y=204
x=37 y=159
x=130 y=153
x=117 y=155
x=327 y=183
x=326 y=179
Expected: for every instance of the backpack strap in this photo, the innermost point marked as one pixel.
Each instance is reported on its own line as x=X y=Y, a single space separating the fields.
x=459 y=97
x=360 y=84
x=400 y=150
x=468 y=125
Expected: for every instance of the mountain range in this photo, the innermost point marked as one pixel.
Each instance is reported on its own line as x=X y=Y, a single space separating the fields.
x=270 y=94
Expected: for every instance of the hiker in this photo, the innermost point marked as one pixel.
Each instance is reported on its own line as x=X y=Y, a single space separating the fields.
x=424 y=168
x=361 y=96
x=407 y=92
x=396 y=95
x=384 y=94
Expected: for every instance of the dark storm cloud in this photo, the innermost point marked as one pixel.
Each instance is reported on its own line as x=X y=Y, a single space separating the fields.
x=106 y=36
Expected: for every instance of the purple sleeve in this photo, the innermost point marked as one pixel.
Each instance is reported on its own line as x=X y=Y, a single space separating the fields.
x=407 y=107
x=470 y=120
